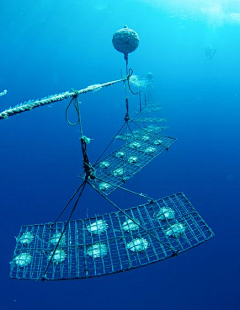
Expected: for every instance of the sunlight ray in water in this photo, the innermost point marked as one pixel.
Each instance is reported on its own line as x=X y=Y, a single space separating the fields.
x=215 y=13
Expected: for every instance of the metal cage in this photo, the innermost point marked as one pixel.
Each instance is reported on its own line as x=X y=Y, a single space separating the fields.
x=109 y=243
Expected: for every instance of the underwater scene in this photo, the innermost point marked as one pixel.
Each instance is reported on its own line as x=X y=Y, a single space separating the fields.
x=120 y=152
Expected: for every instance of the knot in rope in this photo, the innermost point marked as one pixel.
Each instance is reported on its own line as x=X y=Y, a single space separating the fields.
x=127 y=117
x=88 y=168
x=75 y=92
x=89 y=171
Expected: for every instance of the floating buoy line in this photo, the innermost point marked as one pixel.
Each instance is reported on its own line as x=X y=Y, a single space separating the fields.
x=127 y=238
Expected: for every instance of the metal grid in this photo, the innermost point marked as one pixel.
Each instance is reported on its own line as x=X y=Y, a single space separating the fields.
x=152 y=109
x=119 y=169
x=150 y=119
x=113 y=242
x=150 y=129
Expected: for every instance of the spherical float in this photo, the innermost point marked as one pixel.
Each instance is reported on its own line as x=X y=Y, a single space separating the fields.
x=125 y=40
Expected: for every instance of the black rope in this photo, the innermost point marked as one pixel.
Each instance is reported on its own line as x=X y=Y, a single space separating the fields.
x=126 y=61
x=126 y=155
x=130 y=130
x=88 y=168
x=127 y=117
x=140 y=102
x=65 y=227
x=107 y=147
x=70 y=200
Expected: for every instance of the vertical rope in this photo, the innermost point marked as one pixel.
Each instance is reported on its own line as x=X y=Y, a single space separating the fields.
x=140 y=101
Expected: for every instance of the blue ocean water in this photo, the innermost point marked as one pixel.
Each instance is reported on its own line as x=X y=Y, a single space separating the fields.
x=49 y=47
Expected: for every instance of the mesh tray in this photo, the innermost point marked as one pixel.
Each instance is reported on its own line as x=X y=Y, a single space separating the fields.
x=109 y=243
x=121 y=165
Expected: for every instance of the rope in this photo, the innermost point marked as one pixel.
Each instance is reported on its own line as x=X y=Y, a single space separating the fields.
x=130 y=73
x=88 y=168
x=65 y=227
x=107 y=147
x=79 y=116
x=126 y=61
x=127 y=117
x=32 y=104
x=79 y=120
x=140 y=102
x=70 y=200
x=66 y=112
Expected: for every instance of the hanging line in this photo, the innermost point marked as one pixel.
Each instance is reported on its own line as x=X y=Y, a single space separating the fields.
x=89 y=171
x=126 y=62
x=76 y=105
x=127 y=116
x=107 y=147
x=140 y=102
x=77 y=108
x=139 y=225
x=68 y=203
x=145 y=99
x=64 y=229
x=129 y=74
x=73 y=100
x=88 y=168
x=126 y=150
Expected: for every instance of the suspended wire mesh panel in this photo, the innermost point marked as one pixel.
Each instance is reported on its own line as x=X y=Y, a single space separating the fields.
x=141 y=143
x=121 y=165
x=145 y=130
x=152 y=107
x=109 y=243
x=149 y=119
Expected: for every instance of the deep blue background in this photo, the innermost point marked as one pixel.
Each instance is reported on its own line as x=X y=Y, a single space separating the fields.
x=51 y=46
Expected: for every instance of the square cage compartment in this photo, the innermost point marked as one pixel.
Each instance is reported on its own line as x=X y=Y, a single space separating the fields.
x=109 y=243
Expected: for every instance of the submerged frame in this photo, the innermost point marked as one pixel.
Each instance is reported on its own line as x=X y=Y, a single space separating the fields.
x=109 y=243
